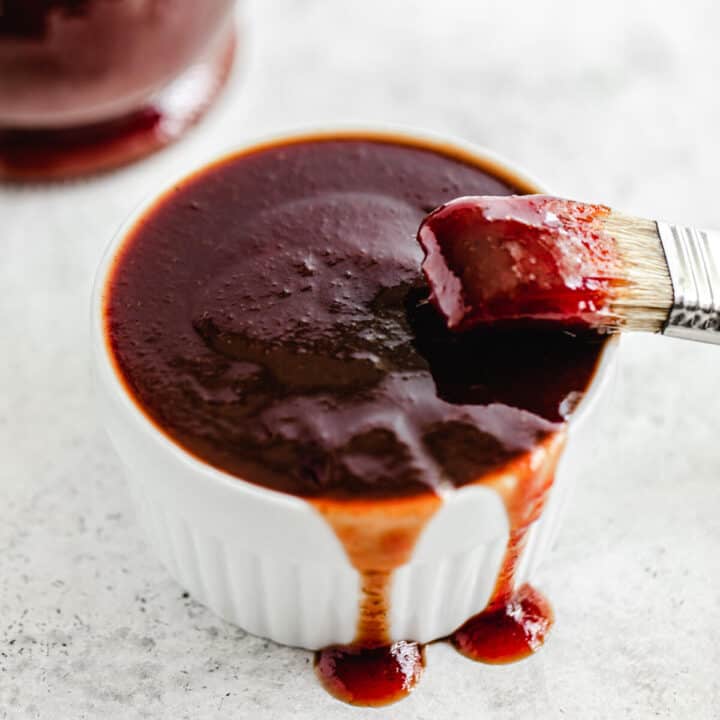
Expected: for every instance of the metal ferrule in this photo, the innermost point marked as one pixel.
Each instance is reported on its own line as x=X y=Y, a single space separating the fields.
x=693 y=259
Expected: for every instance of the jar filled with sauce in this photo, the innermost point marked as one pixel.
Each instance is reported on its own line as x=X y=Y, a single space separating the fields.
x=86 y=85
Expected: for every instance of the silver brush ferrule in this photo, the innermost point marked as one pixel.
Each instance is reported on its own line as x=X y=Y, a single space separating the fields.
x=693 y=260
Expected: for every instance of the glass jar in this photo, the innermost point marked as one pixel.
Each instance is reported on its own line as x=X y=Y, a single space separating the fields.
x=89 y=84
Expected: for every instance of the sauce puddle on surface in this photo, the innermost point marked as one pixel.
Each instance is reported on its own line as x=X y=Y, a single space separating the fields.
x=269 y=315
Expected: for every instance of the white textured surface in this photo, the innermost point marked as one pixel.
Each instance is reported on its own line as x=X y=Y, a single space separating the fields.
x=615 y=102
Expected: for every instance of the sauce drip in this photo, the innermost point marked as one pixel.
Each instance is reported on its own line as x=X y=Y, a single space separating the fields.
x=530 y=258
x=373 y=670
x=517 y=618
x=270 y=317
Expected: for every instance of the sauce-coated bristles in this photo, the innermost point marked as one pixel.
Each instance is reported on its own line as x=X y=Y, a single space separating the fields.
x=644 y=294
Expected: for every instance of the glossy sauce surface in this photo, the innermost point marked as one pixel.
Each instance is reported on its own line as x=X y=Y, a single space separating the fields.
x=270 y=316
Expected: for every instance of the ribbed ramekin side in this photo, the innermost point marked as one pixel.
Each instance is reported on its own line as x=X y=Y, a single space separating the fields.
x=429 y=600
x=304 y=604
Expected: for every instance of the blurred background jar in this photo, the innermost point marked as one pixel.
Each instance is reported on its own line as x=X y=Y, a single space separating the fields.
x=86 y=85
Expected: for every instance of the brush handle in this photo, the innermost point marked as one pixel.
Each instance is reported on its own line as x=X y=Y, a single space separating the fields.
x=693 y=259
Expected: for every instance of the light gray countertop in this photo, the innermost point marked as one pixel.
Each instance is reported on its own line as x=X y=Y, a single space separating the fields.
x=614 y=101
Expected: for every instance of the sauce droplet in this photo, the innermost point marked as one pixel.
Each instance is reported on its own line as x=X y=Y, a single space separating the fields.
x=370 y=676
x=509 y=632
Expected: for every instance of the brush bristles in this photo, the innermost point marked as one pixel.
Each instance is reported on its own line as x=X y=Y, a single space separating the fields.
x=645 y=296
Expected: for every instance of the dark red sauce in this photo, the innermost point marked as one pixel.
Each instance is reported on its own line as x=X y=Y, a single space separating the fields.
x=535 y=258
x=506 y=632
x=86 y=85
x=516 y=619
x=269 y=315
x=370 y=676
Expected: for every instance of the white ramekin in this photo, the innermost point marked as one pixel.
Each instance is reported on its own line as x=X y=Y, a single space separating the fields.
x=268 y=561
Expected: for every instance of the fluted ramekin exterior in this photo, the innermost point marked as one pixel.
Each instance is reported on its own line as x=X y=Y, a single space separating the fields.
x=271 y=564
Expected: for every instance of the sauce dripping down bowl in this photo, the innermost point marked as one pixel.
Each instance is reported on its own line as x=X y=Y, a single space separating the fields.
x=321 y=572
